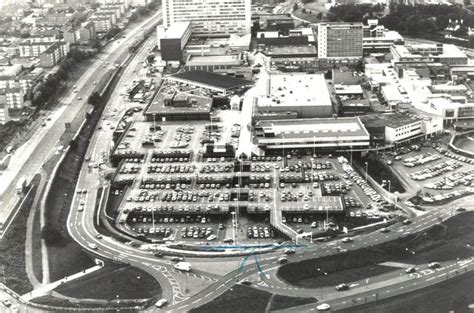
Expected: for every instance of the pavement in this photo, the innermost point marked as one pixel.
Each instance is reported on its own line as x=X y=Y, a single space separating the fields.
x=46 y=289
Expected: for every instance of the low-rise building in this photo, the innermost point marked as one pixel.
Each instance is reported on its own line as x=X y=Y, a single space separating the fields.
x=102 y=24
x=321 y=134
x=395 y=128
x=305 y=94
x=87 y=32
x=379 y=39
x=428 y=53
x=212 y=62
x=52 y=56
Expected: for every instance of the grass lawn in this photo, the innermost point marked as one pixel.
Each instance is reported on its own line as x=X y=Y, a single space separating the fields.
x=246 y=299
x=113 y=280
x=449 y=240
x=56 y=302
x=239 y=298
x=280 y=302
x=36 y=246
x=12 y=248
x=344 y=276
x=453 y=295
x=379 y=170
x=65 y=256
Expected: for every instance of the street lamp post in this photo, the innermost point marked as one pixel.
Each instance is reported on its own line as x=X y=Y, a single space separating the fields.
x=366 y=170
x=389 y=182
x=396 y=193
x=233 y=226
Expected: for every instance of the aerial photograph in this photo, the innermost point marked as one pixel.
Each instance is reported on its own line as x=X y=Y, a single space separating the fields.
x=237 y=156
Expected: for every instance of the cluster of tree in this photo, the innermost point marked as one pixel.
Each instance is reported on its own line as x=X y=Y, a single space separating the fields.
x=111 y=33
x=44 y=91
x=419 y=19
x=355 y=12
x=145 y=10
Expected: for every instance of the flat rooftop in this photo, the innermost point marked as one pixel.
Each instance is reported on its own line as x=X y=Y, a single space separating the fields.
x=448 y=51
x=290 y=50
x=202 y=104
x=213 y=60
x=356 y=103
x=10 y=70
x=297 y=89
x=176 y=30
x=393 y=120
x=212 y=79
x=315 y=127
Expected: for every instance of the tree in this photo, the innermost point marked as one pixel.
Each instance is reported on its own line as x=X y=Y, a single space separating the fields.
x=51 y=235
x=94 y=99
x=150 y=59
x=467 y=3
x=295 y=6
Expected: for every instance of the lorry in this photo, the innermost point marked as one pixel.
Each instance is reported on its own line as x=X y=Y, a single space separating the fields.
x=21 y=185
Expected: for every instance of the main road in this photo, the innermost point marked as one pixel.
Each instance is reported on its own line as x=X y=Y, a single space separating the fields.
x=28 y=159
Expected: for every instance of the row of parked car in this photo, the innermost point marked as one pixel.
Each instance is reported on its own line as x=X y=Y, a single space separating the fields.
x=435 y=170
x=287 y=196
x=369 y=191
x=260 y=167
x=459 y=157
x=171 y=169
x=447 y=183
x=335 y=189
x=169 y=160
x=157 y=231
x=129 y=169
x=260 y=232
x=146 y=218
x=225 y=168
x=165 y=186
x=198 y=232
x=420 y=159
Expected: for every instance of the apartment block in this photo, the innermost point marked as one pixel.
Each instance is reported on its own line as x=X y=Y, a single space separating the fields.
x=210 y=17
x=340 y=41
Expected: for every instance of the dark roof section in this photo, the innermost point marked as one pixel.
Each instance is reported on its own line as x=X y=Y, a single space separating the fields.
x=213 y=79
x=283 y=41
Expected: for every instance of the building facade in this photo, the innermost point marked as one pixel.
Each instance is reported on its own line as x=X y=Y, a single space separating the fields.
x=173 y=41
x=340 y=41
x=210 y=17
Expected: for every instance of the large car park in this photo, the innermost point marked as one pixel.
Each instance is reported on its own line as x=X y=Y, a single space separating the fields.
x=182 y=188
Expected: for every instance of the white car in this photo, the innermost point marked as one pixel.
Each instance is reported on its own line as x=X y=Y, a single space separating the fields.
x=161 y=303
x=93 y=246
x=323 y=307
x=183 y=266
x=347 y=239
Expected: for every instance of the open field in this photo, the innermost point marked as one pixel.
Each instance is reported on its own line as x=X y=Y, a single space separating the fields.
x=453 y=295
x=12 y=248
x=242 y=298
x=447 y=241
x=110 y=282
